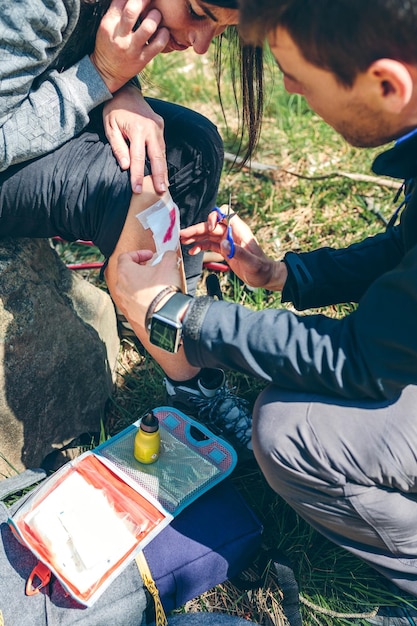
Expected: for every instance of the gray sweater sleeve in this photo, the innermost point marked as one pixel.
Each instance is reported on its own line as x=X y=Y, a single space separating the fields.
x=41 y=108
x=371 y=353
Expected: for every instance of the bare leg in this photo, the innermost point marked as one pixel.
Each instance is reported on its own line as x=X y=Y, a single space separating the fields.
x=135 y=237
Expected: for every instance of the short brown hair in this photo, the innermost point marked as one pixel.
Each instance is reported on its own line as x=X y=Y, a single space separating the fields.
x=343 y=36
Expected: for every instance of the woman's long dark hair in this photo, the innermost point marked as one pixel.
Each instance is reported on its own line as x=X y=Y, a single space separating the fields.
x=246 y=69
x=245 y=63
x=246 y=73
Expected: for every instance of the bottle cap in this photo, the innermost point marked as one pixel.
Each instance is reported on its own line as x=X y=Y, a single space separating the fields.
x=149 y=422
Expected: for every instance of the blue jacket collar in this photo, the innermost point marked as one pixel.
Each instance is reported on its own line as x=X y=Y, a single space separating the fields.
x=400 y=161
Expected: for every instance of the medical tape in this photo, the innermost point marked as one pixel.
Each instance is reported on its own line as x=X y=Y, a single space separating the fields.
x=163 y=219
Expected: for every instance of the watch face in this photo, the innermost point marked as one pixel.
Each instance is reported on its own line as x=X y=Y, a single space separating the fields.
x=165 y=334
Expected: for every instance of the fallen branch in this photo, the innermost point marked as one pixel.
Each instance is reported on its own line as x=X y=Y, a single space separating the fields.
x=256 y=166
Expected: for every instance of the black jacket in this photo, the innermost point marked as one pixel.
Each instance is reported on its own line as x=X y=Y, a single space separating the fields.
x=370 y=353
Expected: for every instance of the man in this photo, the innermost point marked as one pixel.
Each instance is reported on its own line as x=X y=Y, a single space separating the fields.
x=335 y=432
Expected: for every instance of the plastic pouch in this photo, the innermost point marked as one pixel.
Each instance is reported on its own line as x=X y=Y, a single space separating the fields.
x=192 y=460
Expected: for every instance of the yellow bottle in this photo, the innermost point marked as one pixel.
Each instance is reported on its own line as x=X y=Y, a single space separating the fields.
x=147 y=439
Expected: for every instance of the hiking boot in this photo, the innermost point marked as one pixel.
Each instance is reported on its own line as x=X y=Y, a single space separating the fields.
x=404 y=615
x=208 y=398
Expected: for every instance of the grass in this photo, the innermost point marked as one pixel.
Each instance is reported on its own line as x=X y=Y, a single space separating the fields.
x=303 y=201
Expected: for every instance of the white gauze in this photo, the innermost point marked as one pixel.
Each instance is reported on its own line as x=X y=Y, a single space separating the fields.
x=163 y=218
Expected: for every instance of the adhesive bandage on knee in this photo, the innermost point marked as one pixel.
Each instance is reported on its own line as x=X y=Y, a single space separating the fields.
x=163 y=218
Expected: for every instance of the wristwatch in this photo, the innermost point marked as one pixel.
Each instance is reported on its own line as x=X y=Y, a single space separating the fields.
x=165 y=327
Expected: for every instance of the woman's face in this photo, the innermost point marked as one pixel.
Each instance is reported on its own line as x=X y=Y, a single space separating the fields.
x=193 y=23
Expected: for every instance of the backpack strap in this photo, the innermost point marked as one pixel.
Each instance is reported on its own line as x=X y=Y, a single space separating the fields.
x=29 y=477
x=286 y=581
x=148 y=581
x=288 y=584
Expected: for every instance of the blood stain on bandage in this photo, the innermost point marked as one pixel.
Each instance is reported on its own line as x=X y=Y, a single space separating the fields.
x=170 y=230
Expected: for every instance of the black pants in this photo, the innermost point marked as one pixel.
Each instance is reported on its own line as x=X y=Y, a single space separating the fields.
x=79 y=191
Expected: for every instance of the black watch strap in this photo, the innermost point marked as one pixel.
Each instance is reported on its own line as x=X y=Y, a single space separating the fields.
x=158 y=298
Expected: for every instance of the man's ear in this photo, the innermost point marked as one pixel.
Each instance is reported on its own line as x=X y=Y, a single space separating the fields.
x=394 y=83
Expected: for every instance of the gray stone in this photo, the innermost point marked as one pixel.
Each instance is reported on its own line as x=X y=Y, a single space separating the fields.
x=58 y=353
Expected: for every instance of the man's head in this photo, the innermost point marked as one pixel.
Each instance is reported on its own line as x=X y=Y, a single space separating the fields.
x=355 y=61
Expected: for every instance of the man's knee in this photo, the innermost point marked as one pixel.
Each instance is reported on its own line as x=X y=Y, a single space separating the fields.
x=274 y=428
x=283 y=441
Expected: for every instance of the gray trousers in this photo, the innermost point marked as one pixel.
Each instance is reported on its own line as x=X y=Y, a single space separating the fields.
x=349 y=469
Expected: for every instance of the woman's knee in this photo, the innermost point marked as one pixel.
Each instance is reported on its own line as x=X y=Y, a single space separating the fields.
x=194 y=148
x=187 y=125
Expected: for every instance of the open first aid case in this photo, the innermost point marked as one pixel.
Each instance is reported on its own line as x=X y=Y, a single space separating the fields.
x=90 y=519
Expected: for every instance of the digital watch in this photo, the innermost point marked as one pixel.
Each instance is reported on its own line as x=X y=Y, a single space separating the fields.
x=165 y=327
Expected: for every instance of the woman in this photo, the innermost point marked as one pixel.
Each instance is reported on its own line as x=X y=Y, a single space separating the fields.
x=60 y=80
x=75 y=126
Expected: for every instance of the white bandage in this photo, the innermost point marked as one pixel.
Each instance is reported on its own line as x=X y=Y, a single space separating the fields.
x=163 y=218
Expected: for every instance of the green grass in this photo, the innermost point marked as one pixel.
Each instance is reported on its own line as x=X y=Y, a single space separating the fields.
x=300 y=203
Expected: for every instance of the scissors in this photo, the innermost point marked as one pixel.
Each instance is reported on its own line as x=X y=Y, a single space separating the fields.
x=227 y=216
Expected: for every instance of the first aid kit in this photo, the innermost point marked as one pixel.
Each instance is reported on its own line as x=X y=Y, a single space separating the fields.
x=91 y=518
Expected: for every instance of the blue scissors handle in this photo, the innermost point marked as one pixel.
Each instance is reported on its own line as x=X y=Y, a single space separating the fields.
x=229 y=235
x=220 y=215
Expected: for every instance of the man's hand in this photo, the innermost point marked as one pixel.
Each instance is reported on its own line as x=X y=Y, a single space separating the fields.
x=249 y=262
x=122 y=50
x=138 y=282
x=133 y=129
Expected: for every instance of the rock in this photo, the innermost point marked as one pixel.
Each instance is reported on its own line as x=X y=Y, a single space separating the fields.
x=58 y=353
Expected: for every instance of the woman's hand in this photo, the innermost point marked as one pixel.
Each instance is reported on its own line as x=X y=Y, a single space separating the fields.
x=127 y=39
x=134 y=129
x=249 y=261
